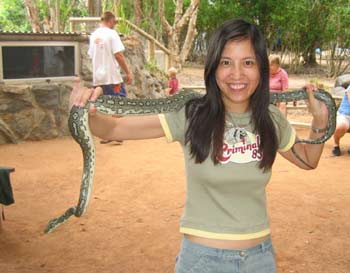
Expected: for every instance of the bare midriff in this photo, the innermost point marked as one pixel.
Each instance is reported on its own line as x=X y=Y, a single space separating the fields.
x=227 y=244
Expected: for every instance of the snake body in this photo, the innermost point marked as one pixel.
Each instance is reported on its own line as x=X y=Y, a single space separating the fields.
x=79 y=128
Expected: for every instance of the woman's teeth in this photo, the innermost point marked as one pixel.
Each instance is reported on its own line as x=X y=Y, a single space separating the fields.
x=237 y=86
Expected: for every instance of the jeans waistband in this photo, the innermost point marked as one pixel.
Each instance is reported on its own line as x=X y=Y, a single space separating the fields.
x=205 y=250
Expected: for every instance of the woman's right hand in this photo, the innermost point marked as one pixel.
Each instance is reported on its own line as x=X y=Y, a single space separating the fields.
x=80 y=95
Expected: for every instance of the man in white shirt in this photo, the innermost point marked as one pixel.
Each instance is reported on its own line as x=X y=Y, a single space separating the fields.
x=106 y=51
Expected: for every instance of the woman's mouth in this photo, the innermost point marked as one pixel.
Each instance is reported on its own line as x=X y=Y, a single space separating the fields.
x=237 y=86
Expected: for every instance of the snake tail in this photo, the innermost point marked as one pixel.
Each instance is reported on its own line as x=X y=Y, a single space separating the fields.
x=54 y=223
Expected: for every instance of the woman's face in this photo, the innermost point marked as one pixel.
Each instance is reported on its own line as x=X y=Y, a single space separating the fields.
x=237 y=75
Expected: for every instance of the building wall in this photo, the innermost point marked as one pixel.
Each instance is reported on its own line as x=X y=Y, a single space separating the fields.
x=35 y=110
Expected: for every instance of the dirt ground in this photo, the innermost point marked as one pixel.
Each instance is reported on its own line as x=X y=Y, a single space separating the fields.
x=132 y=222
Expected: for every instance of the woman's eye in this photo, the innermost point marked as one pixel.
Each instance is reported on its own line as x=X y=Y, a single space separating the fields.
x=225 y=62
x=249 y=62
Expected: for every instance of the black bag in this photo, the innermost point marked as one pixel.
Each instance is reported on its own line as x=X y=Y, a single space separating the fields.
x=6 y=195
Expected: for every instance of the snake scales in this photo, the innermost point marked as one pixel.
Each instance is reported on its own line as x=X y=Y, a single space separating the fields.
x=78 y=126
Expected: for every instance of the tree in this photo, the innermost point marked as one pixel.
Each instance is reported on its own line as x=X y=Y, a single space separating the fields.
x=138 y=12
x=337 y=39
x=33 y=15
x=52 y=21
x=13 y=16
x=95 y=8
x=174 y=31
x=51 y=15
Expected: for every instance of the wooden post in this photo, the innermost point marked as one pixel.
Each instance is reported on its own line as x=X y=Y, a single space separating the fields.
x=167 y=62
x=151 y=50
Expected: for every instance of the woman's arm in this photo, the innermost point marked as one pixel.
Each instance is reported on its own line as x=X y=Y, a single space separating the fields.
x=125 y=128
x=108 y=127
x=121 y=61
x=307 y=156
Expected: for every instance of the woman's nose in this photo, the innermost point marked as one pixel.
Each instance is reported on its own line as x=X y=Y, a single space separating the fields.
x=235 y=71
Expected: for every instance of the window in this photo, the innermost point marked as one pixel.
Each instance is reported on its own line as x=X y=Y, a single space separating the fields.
x=24 y=60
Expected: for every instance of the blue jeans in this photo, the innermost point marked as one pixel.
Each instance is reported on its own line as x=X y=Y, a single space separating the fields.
x=196 y=258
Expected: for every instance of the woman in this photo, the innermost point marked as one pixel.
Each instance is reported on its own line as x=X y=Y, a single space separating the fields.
x=230 y=138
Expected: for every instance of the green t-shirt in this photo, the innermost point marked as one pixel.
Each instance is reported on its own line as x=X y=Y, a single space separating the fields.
x=227 y=200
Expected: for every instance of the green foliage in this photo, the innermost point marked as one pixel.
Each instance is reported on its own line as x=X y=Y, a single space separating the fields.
x=71 y=8
x=122 y=26
x=300 y=25
x=13 y=16
x=13 y=13
x=154 y=26
x=151 y=65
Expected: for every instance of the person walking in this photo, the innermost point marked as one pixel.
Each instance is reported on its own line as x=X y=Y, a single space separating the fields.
x=106 y=52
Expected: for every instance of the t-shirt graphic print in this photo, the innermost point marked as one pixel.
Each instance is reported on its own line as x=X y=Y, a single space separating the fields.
x=240 y=146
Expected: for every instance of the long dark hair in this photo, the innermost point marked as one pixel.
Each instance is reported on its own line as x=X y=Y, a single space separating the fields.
x=206 y=115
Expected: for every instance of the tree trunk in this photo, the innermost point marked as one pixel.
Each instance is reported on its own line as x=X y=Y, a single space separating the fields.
x=33 y=15
x=58 y=15
x=191 y=34
x=54 y=10
x=309 y=56
x=95 y=8
x=138 y=12
x=182 y=19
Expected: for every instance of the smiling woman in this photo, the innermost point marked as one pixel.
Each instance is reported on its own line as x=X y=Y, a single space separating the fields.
x=230 y=138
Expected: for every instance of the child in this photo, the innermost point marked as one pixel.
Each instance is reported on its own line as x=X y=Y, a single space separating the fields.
x=173 y=81
x=278 y=79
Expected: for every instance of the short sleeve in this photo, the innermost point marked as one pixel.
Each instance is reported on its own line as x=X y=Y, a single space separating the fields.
x=174 y=125
x=116 y=43
x=284 y=130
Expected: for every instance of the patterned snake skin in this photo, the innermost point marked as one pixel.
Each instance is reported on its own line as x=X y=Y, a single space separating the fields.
x=78 y=126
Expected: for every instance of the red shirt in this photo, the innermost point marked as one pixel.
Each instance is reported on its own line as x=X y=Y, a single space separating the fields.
x=174 y=85
x=279 y=81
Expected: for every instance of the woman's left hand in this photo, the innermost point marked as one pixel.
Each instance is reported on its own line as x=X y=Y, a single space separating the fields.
x=317 y=108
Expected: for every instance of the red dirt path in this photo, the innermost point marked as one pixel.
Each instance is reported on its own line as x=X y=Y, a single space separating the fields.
x=132 y=221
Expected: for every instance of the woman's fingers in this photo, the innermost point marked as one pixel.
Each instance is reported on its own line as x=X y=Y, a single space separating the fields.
x=310 y=88
x=318 y=109
x=96 y=93
x=81 y=95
